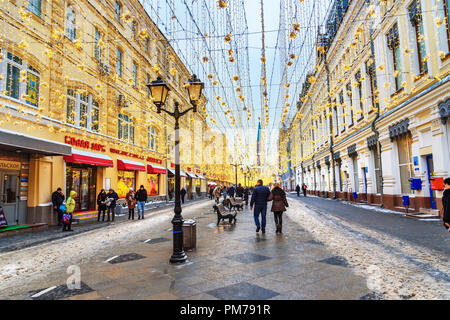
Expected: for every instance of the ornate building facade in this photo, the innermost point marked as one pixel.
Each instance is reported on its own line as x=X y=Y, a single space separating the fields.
x=373 y=115
x=75 y=110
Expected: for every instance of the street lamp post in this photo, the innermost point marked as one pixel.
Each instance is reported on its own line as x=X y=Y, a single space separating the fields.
x=159 y=91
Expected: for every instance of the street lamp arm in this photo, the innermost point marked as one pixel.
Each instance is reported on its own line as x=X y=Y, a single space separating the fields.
x=186 y=111
x=168 y=112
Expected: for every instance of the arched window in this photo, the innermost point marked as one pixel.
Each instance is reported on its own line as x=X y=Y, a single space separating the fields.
x=71 y=23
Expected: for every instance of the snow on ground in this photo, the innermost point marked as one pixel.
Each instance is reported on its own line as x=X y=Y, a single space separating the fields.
x=26 y=265
x=393 y=268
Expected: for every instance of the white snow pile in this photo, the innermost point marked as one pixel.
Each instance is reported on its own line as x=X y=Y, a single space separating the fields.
x=374 y=208
x=24 y=266
x=393 y=268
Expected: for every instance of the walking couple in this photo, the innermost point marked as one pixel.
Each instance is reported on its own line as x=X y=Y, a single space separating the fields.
x=260 y=196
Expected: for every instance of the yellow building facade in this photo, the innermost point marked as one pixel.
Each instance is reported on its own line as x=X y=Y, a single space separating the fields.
x=374 y=111
x=75 y=111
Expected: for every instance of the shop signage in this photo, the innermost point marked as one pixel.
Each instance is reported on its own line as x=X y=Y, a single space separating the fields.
x=197 y=171
x=189 y=169
x=126 y=153
x=84 y=144
x=154 y=160
x=9 y=165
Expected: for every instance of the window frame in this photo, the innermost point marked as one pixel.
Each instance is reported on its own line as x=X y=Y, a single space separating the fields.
x=71 y=26
x=152 y=135
x=97 y=48
x=130 y=128
x=91 y=105
x=117 y=10
x=119 y=62
x=23 y=87
x=35 y=6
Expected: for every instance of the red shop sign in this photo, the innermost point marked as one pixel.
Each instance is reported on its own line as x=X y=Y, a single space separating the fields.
x=86 y=144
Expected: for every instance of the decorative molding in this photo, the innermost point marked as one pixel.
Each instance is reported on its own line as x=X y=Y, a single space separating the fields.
x=444 y=110
x=372 y=142
x=399 y=129
x=351 y=150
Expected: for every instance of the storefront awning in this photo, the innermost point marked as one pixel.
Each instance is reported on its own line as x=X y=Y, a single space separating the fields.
x=182 y=174
x=191 y=175
x=130 y=165
x=95 y=159
x=153 y=168
x=200 y=176
x=19 y=142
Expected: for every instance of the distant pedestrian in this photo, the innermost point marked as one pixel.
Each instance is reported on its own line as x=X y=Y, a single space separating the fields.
x=141 y=198
x=231 y=191
x=131 y=203
x=446 y=204
x=211 y=193
x=297 y=189
x=101 y=203
x=279 y=204
x=239 y=191
x=70 y=208
x=57 y=200
x=246 y=195
x=183 y=194
x=217 y=192
x=304 y=189
x=111 y=199
x=259 y=200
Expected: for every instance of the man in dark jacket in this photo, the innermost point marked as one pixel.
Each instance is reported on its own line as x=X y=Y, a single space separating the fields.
x=183 y=194
x=259 y=200
x=297 y=189
x=304 y=189
x=57 y=200
x=446 y=203
x=239 y=191
x=111 y=199
x=141 y=198
x=231 y=191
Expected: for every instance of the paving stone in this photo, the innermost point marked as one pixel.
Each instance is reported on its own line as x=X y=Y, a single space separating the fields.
x=126 y=258
x=248 y=257
x=243 y=291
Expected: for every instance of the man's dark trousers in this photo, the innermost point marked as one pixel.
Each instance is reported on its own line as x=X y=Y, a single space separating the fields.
x=260 y=209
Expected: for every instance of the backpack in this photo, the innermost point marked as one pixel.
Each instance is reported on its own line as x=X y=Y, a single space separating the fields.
x=66 y=218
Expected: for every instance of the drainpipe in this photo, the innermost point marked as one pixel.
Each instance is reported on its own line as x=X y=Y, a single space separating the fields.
x=331 y=128
x=377 y=116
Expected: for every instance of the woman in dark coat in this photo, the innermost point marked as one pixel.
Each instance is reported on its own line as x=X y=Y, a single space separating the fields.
x=279 y=204
x=101 y=198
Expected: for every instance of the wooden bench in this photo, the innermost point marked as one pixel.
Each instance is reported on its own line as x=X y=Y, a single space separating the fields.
x=222 y=214
x=234 y=204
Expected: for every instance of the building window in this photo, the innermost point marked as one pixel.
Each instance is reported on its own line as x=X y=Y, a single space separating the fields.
x=350 y=97
x=404 y=161
x=119 y=62
x=370 y=70
x=147 y=45
x=126 y=128
x=360 y=95
x=20 y=80
x=376 y=159
x=134 y=28
x=341 y=102
x=148 y=89
x=82 y=110
x=355 y=173
x=135 y=75
x=97 y=48
x=70 y=24
x=118 y=10
x=393 y=40
x=152 y=139
x=415 y=16
x=35 y=6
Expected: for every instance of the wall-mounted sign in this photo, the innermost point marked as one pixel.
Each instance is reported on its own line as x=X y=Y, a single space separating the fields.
x=154 y=160
x=9 y=165
x=85 y=144
x=126 y=153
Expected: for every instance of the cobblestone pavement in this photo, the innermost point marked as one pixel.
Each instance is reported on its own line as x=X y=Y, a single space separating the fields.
x=26 y=240
x=230 y=262
x=429 y=234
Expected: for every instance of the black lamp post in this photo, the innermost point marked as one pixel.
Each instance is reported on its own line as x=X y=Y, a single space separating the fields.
x=159 y=91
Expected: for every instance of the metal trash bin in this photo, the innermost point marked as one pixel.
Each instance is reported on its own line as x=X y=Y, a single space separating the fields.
x=189 y=234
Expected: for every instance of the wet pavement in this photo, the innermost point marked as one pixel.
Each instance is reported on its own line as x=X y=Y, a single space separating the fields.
x=26 y=240
x=230 y=262
x=425 y=233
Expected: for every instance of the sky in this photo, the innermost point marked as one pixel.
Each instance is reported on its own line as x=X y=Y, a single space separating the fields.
x=197 y=29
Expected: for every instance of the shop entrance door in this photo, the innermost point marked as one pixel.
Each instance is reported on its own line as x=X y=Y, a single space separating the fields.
x=9 y=195
x=430 y=173
x=82 y=181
